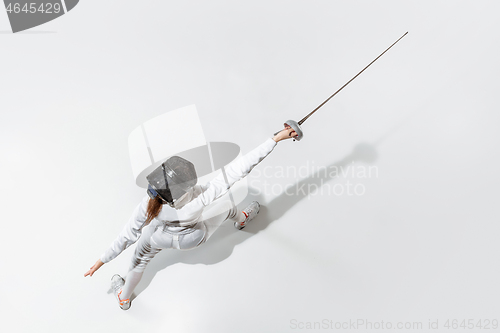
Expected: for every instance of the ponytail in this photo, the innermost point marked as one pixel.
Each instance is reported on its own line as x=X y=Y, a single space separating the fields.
x=154 y=208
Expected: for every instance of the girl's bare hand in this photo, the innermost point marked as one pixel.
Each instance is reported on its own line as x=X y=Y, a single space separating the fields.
x=94 y=268
x=284 y=134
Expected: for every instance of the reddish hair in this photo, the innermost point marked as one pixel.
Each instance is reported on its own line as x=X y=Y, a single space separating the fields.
x=154 y=208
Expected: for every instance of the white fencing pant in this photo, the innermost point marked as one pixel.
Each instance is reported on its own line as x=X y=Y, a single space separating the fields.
x=156 y=237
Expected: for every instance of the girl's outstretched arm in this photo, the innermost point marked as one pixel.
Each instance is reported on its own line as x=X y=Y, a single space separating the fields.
x=128 y=236
x=239 y=169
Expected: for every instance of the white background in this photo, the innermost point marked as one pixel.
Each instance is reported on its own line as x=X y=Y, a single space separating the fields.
x=420 y=244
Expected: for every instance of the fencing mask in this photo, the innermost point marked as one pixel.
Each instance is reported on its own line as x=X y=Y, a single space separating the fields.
x=171 y=180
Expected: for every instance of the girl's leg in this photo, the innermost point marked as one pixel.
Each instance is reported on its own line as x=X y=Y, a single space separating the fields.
x=144 y=252
x=220 y=212
x=132 y=280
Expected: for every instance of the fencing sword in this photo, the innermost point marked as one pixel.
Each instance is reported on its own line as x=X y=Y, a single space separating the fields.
x=296 y=125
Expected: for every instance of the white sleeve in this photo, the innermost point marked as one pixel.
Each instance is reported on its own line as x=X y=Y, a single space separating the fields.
x=130 y=232
x=235 y=171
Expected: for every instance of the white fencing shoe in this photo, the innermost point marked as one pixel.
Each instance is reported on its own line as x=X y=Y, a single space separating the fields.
x=250 y=212
x=117 y=283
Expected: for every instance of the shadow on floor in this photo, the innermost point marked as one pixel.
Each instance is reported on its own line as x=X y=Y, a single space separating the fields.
x=221 y=244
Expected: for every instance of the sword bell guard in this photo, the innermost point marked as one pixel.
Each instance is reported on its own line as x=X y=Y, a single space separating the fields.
x=296 y=127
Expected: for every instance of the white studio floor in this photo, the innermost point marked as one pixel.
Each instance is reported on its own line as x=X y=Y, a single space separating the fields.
x=417 y=243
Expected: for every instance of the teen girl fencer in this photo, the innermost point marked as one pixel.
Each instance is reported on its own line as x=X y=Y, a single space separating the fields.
x=170 y=216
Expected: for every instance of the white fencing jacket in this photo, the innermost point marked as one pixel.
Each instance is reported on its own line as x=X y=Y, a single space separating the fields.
x=188 y=212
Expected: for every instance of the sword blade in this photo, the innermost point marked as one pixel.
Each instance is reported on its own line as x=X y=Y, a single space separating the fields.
x=310 y=114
